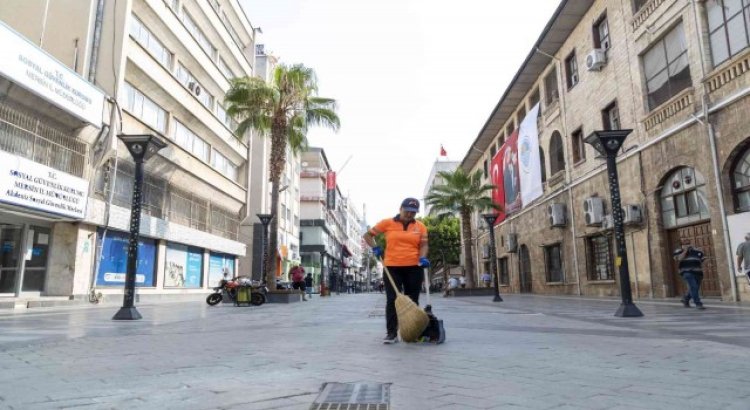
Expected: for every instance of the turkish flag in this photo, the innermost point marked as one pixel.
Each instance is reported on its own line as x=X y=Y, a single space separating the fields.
x=442 y=152
x=496 y=177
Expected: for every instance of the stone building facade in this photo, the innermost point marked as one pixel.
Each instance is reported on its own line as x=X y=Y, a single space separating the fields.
x=675 y=72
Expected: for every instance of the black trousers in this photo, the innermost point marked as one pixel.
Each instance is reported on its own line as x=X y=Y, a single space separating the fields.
x=408 y=279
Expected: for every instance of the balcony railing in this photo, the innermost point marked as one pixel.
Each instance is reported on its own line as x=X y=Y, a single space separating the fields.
x=26 y=136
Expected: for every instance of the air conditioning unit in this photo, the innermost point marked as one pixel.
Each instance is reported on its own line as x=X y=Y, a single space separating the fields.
x=593 y=209
x=557 y=216
x=596 y=59
x=485 y=251
x=511 y=243
x=195 y=88
x=632 y=214
x=608 y=222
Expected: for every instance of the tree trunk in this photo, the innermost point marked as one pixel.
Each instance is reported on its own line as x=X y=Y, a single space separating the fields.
x=277 y=161
x=468 y=253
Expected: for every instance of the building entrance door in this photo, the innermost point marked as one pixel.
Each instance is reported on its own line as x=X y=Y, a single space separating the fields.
x=35 y=268
x=10 y=248
x=700 y=237
x=525 y=269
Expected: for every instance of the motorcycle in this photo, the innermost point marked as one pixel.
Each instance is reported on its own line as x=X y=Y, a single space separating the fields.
x=229 y=287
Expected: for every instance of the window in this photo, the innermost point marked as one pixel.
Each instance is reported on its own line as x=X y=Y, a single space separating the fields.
x=225 y=69
x=543 y=165
x=146 y=38
x=144 y=108
x=187 y=79
x=638 y=4
x=553 y=262
x=534 y=98
x=224 y=165
x=556 y=156
x=683 y=198
x=579 y=147
x=501 y=140
x=485 y=168
x=201 y=38
x=728 y=26
x=611 y=117
x=225 y=118
x=521 y=114
x=551 y=93
x=571 y=70
x=493 y=151
x=190 y=142
x=601 y=33
x=741 y=182
x=230 y=29
x=600 y=265
x=510 y=128
x=666 y=67
x=502 y=265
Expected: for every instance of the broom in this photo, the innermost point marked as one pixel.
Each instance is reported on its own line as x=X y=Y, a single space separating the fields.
x=412 y=320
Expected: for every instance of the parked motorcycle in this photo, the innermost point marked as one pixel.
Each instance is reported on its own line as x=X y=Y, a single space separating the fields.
x=229 y=287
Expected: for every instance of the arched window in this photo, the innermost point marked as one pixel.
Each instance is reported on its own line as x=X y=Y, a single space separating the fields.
x=741 y=182
x=683 y=198
x=543 y=165
x=556 y=156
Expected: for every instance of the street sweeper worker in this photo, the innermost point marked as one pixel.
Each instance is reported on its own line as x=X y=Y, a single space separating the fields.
x=405 y=257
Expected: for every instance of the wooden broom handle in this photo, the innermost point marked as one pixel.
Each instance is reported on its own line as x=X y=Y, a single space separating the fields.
x=390 y=278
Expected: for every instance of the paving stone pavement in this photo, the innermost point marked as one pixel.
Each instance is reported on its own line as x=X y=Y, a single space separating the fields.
x=528 y=352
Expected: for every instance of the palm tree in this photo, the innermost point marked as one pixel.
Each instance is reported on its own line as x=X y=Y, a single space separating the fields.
x=462 y=194
x=283 y=109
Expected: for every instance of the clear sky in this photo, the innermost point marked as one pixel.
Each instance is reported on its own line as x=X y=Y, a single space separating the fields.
x=408 y=75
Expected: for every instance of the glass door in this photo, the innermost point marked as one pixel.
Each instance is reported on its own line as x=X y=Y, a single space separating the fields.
x=10 y=248
x=35 y=270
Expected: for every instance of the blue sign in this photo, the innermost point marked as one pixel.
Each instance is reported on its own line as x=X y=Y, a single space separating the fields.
x=194 y=268
x=114 y=260
x=218 y=265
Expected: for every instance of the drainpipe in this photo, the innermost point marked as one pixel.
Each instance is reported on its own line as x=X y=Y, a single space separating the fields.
x=714 y=156
x=96 y=41
x=568 y=187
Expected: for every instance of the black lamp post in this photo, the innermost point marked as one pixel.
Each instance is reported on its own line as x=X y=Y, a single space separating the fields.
x=141 y=148
x=265 y=219
x=608 y=143
x=490 y=220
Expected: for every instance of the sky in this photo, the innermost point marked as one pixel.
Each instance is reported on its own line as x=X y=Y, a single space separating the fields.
x=408 y=77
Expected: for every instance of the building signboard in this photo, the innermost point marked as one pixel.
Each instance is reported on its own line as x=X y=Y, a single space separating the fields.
x=27 y=183
x=32 y=68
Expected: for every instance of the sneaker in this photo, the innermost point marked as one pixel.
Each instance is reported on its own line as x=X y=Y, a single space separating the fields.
x=390 y=339
x=700 y=307
x=685 y=302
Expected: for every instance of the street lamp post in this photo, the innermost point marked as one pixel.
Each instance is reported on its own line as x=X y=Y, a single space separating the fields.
x=608 y=143
x=490 y=220
x=141 y=148
x=265 y=219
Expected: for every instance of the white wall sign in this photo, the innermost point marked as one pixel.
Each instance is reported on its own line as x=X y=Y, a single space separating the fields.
x=33 y=185
x=739 y=225
x=29 y=66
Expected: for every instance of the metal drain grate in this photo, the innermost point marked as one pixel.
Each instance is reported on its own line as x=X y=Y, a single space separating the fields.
x=353 y=396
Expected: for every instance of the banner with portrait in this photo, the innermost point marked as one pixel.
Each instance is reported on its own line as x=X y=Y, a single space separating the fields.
x=529 y=163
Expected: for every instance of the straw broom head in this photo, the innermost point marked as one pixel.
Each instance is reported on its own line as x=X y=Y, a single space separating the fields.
x=412 y=320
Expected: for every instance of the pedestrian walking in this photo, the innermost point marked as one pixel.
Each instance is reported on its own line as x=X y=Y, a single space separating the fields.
x=462 y=281
x=405 y=257
x=743 y=257
x=690 y=265
x=452 y=284
x=309 y=284
x=486 y=279
x=298 y=279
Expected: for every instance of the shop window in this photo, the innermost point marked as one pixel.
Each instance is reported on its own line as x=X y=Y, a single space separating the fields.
x=551 y=92
x=114 y=258
x=741 y=182
x=611 y=117
x=729 y=28
x=579 y=147
x=599 y=249
x=683 y=198
x=554 y=263
x=183 y=266
x=571 y=70
x=219 y=265
x=556 y=155
x=666 y=67
x=601 y=33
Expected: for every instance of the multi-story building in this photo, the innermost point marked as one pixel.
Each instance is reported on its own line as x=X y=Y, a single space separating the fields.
x=442 y=164
x=674 y=71
x=166 y=65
